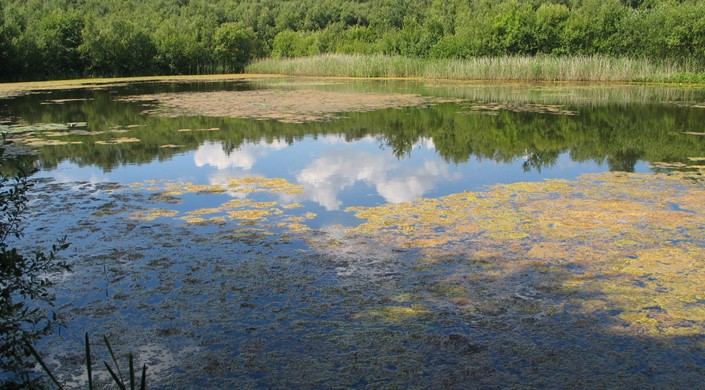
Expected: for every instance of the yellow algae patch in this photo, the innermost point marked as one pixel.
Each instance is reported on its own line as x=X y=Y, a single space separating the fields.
x=116 y=141
x=204 y=211
x=56 y=134
x=240 y=203
x=298 y=227
x=236 y=185
x=636 y=241
x=245 y=211
x=284 y=105
x=197 y=220
x=262 y=205
x=152 y=214
x=263 y=184
x=47 y=142
x=495 y=108
x=251 y=215
x=395 y=313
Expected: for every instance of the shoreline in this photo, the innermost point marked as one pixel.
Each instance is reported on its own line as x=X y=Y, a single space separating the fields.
x=9 y=89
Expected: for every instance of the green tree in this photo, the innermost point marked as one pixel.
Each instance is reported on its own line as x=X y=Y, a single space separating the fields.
x=235 y=46
x=295 y=44
x=117 y=46
x=59 y=37
x=549 y=20
x=5 y=47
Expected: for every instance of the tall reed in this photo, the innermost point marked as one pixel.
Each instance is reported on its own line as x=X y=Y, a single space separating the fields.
x=511 y=68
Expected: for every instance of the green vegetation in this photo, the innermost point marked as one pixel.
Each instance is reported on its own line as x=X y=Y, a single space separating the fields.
x=25 y=283
x=520 y=68
x=65 y=38
x=116 y=377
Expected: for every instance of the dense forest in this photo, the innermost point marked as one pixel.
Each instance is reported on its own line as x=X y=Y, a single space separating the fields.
x=43 y=39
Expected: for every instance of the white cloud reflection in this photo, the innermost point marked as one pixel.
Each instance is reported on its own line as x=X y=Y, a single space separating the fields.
x=333 y=172
x=244 y=157
x=338 y=169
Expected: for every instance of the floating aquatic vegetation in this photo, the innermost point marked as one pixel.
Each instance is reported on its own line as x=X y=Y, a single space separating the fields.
x=152 y=214
x=263 y=184
x=251 y=215
x=621 y=229
x=56 y=134
x=395 y=313
x=193 y=219
x=247 y=235
x=37 y=142
x=33 y=128
x=235 y=185
x=212 y=210
x=117 y=141
x=85 y=132
x=62 y=101
x=291 y=106
x=297 y=227
x=245 y=211
x=495 y=108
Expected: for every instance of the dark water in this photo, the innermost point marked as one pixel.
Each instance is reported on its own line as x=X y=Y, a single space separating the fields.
x=256 y=305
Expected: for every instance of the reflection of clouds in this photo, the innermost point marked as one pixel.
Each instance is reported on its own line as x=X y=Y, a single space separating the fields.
x=412 y=185
x=333 y=172
x=69 y=178
x=212 y=153
x=339 y=139
x=235 y=164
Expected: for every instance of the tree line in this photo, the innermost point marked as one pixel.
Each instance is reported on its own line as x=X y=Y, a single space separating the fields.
x=43 y=39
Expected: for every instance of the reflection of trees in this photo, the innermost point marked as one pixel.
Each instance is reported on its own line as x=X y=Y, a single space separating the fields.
x=612 y=134
x=537 y=160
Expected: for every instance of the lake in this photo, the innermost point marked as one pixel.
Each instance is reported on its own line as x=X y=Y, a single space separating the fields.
x=320 y=233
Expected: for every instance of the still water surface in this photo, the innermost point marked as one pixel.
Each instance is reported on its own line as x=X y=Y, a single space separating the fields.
x=267 y=286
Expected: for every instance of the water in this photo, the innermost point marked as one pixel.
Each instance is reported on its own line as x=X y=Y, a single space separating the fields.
x=289 y=296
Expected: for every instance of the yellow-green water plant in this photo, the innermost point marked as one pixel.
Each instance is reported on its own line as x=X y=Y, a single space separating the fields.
x=637 y=238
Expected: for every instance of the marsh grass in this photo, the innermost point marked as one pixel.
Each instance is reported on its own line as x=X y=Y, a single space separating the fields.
x=116 y=374
x=510 y=68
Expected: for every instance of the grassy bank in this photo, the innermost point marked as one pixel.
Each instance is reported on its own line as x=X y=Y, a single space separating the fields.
x=510 y=68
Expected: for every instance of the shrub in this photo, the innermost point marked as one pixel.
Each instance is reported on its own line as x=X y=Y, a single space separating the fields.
x=26 y=301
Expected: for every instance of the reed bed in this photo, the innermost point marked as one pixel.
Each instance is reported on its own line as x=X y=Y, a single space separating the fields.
x=509 y=68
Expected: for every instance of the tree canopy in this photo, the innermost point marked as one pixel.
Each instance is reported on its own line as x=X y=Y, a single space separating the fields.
x=42 y=39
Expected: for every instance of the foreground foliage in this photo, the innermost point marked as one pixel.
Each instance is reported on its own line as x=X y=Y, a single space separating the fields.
x=25 y=296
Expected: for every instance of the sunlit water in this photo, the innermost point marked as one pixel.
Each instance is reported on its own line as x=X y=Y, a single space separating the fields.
x=258 y=303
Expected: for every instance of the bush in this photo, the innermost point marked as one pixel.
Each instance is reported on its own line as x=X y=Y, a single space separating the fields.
x=25 y=298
